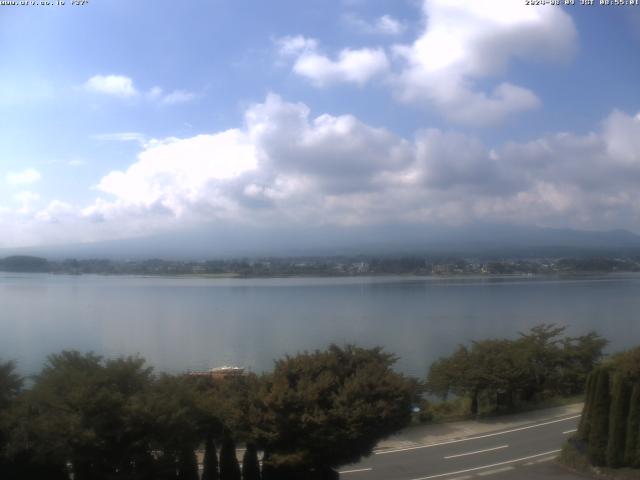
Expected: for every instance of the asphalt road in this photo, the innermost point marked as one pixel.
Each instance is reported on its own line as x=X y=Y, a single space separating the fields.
x=523 y=452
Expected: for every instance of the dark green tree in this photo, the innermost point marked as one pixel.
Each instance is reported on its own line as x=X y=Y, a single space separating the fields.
x=580 y=355
x=329 y=408
x=10 y=384
x=585 y=419
x=618 y=418
x=187 y=465
x=250 y=463
x=210 y=461
x=494 y=369
x=229 y=467
x=597 y=448
x=542 y=347
x=632 y=444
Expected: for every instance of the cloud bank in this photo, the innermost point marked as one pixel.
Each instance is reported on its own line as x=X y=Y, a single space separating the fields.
x=284 y=166
x=454 y=63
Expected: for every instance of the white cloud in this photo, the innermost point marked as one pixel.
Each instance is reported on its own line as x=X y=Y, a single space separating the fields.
x=115 y=85
x=23 y=177
x=172 y=173
x=456 y=64
x=55 y=212
x=356 y=66
x=287 y=167
x=76 y=163
x=296 y=45
x=122 y=86
x=178 y=96
x=384 y=25
x=26 y=200
x=467 y=41
x=120 y=137
x=155 y=93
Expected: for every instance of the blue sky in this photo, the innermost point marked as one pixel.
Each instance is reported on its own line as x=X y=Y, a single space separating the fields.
x=125 y=118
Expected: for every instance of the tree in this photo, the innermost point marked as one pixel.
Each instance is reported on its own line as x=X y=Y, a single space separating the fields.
x=210 y=461
x=10 y=387
x=541 y=346
x=618 y=421
x=329 y=408
x=250 y=464
x=599 y=422
x=585 y=419
x=491 y=368
x=169 y=411
x=187 y=465
x=445 y=372
x=632 y=444
x=229 y=467
x=82 y=410
x=580 y=355
x=10 y=384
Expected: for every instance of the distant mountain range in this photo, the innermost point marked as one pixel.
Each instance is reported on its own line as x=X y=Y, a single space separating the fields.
x=474 y=240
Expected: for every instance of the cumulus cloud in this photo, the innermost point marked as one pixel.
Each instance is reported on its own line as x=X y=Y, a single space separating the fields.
x=122 y=86
x=284 y=163
x=115 y=85
x=465 y=42
x=178 y=96
x=23 y=177
x=356 y=66
x=285 y=166
x=457 y=62
x=120 y=137
x=26 y=199
x=384 y=25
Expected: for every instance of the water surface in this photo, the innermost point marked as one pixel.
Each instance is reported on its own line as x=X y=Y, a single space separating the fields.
x=192 y=323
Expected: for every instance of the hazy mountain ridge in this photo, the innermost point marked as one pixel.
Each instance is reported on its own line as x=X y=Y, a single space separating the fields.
x=475 y=240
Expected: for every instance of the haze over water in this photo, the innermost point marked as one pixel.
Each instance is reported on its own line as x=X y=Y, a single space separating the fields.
x=182 y=324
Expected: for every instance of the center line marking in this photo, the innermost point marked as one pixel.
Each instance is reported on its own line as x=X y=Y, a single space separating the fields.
x=516 y=460
x=477 y=451
x=448 y=442
x=356 y=471
x=570 y=431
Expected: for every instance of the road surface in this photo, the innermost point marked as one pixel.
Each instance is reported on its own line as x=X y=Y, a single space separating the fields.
x=523 y=452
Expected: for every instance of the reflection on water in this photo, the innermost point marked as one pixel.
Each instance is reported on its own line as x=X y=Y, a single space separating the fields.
x=195 y=323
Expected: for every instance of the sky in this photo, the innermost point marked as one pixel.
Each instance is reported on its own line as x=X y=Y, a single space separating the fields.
x=124 y=119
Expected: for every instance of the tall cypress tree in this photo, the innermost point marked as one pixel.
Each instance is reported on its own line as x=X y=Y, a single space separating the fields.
x=597 y=449
x=584 y=426
x=187 y=465
x=632 y=447
x=268 y=472
x=229 y=467
x=210 y=462
x=618 y=421
x=250 y=464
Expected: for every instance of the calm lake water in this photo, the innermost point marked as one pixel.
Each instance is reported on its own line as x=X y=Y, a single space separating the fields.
x=196 y=323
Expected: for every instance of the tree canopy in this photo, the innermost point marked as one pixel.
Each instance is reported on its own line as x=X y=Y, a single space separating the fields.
x=503 y=372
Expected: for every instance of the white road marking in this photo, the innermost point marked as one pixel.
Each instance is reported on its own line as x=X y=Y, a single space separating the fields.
x=448 y=442
x=516 y=460
x=546 y=459
x=466 y=477
x=355 y=471
x=569 y=431
x=477 y=451
x=497 y=470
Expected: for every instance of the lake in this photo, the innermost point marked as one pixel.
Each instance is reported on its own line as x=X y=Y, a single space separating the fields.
x=182 y=324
